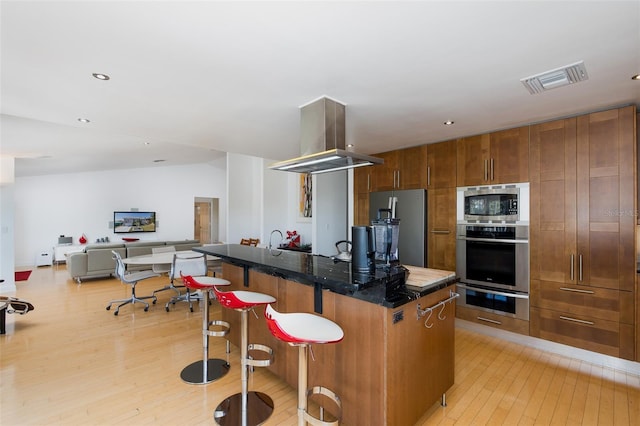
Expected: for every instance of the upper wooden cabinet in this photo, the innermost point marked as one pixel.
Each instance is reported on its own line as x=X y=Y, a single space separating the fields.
x=362 y=179
x=499 y=157
x=402 y=169
x=441 y=165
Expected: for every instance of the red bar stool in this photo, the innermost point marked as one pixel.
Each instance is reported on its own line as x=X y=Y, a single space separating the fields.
x=245 y=408
x=303 y=330
x=206 y=370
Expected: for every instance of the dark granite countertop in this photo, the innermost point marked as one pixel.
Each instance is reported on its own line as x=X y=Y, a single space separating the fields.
x=384 y=286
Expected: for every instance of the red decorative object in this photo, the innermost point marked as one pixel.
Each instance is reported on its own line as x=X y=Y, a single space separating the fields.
x=83 y=239
x=293 y=238
x=128 y=239
x=22 y=275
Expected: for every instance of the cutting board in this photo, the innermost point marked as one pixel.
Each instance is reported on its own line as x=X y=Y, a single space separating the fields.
x=423 y=277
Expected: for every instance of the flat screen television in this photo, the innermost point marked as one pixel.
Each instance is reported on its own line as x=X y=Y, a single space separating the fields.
x=132 y=222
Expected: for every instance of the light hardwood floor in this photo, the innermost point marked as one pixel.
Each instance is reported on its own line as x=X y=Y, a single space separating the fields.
x=71 y=362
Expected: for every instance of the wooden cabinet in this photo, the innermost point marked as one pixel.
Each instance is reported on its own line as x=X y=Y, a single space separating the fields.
x=441 y=205
x=386 y=371
x=606 y=174
x=441 y=237
x=361 y=189
x=441 y=165
x=490 y=319
x=499 y=157
x=402 y=169
x=582 y=233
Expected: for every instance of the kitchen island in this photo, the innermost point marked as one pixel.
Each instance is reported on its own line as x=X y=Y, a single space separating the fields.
x=397 y=357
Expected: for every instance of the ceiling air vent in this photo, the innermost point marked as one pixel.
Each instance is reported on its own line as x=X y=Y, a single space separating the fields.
x=558 y=77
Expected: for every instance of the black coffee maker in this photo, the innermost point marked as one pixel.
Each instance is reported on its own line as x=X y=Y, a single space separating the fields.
x=363 y=249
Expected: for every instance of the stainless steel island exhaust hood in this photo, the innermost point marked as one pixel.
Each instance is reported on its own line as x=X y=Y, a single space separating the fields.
x=322 y=141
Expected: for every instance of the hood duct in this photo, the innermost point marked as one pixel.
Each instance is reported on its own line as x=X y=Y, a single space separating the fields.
x=322 y=141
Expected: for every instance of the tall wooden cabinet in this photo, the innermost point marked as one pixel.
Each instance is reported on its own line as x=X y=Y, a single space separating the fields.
x=361 y=189
x=441 y=205
x=494 y=158
x=583 y=175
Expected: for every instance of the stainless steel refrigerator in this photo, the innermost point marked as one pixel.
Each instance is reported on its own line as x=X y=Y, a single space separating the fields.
x=411 y=209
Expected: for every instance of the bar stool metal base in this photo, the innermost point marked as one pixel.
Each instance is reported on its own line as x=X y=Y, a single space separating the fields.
x=194 y=373
x=229 y=411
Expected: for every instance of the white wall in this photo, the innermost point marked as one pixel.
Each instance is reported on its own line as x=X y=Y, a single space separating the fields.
x=253 y=201
x=7 y=251
x=330 y=210
x=281 y=206
x=73 y=204
x=244 y=188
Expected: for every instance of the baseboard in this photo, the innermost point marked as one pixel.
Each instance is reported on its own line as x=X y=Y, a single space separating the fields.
x=629 y=367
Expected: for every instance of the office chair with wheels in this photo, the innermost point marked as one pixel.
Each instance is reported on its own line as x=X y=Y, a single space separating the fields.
x=131 y=279
x=194 y=264
x=164 y=269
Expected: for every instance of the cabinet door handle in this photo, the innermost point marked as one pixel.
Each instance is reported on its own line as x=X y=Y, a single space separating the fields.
x=428 y=176
x=571 y=272
x=398 y=186
x=368 y=182
x=486 y=170
x=489 y=320
x=580 y=268
x=576 y=320
x=441 y=231
x=576 y=290
x=491 y=162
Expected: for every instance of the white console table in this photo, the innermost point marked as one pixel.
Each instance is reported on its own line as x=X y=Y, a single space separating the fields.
x=61 y=251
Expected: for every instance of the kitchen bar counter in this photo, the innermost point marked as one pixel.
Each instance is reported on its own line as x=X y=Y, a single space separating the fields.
x=386 y=287
x=397 y=357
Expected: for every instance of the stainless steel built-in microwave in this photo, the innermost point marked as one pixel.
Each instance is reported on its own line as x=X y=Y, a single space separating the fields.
x=502 y=203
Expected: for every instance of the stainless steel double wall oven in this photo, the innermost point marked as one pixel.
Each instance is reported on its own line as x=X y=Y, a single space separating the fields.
x=492 y=248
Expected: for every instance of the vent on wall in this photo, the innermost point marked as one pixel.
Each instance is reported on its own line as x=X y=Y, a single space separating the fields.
x=558 y=77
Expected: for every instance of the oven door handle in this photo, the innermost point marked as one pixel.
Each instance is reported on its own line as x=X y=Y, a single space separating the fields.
x=497 y=293
x=494 y=240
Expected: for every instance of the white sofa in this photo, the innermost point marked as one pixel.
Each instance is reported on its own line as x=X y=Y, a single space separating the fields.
x=96 y=260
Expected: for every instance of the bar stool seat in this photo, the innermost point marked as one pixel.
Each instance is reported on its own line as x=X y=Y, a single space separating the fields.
x=206 y=370
x=303 y=330
x=245 y=408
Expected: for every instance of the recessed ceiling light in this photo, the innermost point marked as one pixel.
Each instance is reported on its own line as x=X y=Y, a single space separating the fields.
x=448 y=122
x=101 y=76
x=84 y=120
x=636 y=77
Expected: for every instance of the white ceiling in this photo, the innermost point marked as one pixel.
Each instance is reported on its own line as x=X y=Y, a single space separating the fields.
x=196 y=79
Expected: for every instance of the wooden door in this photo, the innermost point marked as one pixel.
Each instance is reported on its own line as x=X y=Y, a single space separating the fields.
x=441 y=165
x=509 y=156
x=202 y=222
x=606 y=198
x=362 y=179
x=441 y=237
x=383 y=176
x=553 y=202
x=472 y=158
x=361 y=209
x=412 y=168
